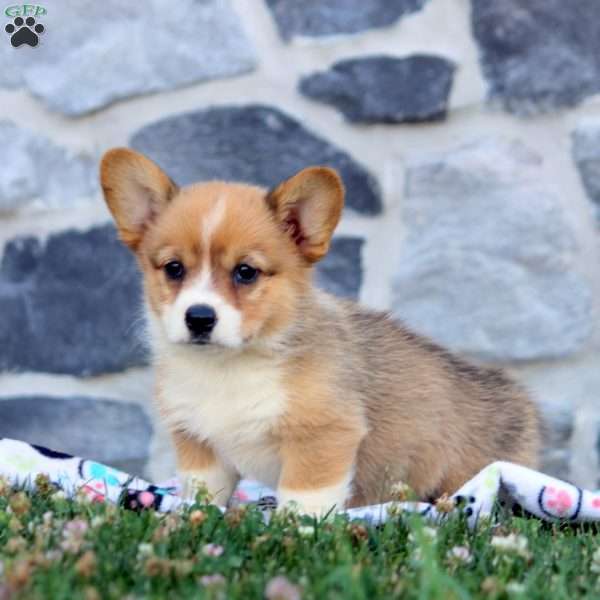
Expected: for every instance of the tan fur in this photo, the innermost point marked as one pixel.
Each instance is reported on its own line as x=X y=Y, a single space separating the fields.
x=327 y=401
x=193 y=454
x=136 y=191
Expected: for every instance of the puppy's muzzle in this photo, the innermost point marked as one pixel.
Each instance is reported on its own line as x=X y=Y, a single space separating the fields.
x=200 y=320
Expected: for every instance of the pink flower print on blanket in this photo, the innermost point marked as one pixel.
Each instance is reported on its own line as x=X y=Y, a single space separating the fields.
x=560 y=502
x=94 y=491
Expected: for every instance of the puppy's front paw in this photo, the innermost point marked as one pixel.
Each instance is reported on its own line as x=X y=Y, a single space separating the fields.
x=214 y=485
x=193 y=484
x=319 y=502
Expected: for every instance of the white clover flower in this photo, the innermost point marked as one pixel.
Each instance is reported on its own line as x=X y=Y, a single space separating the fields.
x=281 y=588
x=145 y=549
x=511 y=544
x=514 y=587
x=460 y=554
x=212 y=580
x=595 y=568
x=76 y=528
x=429 y=533
x=306 y=530
x=97 y=521
x=82 y=497
x=401 y=492
x=54 y=555
x=73 y=535
x=212 y=550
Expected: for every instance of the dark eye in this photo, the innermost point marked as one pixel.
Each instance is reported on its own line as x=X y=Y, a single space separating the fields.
x=245 y=274
x=174 y=270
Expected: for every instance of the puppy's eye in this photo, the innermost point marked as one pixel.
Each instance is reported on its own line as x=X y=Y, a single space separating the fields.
x=174 y=270
x=245 y=274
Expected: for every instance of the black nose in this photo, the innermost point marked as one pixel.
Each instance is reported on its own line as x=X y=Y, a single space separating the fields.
x=200 y=320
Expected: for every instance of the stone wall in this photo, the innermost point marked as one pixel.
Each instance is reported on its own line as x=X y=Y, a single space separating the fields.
x=468 y=135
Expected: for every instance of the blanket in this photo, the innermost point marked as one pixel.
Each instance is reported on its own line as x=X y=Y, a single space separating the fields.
x=499 y=484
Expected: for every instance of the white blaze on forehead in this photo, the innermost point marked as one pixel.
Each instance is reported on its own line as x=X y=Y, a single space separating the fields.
x=210 y=222
x=201 y=290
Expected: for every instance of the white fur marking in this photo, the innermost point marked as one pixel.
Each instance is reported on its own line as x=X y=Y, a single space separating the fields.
x=320 y=501
x=209 y=225
x=232 y=399
x=227 y=331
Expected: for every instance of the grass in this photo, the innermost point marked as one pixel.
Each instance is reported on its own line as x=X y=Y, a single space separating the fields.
x=51 y=547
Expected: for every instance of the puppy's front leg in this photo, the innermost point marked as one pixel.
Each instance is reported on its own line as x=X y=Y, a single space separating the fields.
x=317 y=473
x=198 y=466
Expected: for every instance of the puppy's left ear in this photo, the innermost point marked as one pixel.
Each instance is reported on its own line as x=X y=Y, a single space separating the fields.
x=308 y=206
x=136 y=191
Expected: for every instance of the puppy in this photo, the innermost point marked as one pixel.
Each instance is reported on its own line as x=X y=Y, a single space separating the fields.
x=261 y=375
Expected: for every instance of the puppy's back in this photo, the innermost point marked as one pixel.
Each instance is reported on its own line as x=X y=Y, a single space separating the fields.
x=435 y=420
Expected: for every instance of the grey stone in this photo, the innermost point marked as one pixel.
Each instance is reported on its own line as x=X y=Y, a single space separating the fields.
x=540 y=54
x=72 y=305
x=36 y=171
x=314 y=18
x=20 y=260
x=488 y=263
x=255 y=144
x=558 y=424
x=384 y=89
x=114 y=433
x=94 y=53
x=586 y=152
x=340 y=272
x=557 y=463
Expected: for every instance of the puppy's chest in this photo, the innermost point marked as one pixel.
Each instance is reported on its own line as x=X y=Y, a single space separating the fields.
x=235 y=405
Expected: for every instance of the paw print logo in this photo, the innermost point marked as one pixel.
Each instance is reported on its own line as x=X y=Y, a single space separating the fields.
x=24 y=31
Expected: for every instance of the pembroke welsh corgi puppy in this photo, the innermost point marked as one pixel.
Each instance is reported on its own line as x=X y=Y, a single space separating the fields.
x=261 y=375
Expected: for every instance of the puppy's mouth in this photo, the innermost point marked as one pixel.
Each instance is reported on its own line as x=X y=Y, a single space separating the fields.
x=208 y=343
x=205 y=342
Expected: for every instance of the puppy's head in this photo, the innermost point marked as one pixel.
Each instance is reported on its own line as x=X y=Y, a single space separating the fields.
x=224 y=264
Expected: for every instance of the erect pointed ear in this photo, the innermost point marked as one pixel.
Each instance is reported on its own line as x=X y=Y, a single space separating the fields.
x=136 y=190
x=308 y=206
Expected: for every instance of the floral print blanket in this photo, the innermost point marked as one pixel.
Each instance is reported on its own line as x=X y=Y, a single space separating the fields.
x=499 y=484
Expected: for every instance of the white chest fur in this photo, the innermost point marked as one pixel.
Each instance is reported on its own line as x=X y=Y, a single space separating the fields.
x=232 y=401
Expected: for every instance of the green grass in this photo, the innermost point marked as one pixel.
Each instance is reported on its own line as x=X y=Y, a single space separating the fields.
x=55 y=548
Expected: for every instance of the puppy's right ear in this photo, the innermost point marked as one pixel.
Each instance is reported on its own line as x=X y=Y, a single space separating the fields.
x=136 y=190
